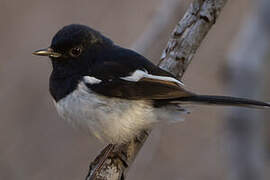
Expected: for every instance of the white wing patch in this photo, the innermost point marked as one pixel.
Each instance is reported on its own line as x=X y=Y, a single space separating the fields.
x=139 y=74
x=91 y=80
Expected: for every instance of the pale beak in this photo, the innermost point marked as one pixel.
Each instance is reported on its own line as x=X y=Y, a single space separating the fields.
x=47 y=52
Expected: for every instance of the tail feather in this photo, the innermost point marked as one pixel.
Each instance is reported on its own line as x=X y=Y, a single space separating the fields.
x=224 y=100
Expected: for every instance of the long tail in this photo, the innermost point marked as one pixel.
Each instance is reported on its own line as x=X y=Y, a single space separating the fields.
x=224 y=100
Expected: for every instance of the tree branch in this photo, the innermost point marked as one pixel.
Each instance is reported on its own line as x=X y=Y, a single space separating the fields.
x=188 y=35
x=182 y=45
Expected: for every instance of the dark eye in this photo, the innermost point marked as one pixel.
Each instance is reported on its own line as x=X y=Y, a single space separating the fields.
x=75 y=52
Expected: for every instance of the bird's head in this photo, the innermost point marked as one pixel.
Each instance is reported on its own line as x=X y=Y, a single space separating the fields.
x=74 y=47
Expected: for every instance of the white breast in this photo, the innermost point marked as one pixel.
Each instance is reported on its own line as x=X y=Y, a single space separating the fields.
x=112 y=119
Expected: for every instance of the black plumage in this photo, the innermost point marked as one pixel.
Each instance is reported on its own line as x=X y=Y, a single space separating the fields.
x=99 y=57
x=113 y=91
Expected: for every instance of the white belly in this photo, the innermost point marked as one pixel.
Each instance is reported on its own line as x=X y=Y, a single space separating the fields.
x=111 y=119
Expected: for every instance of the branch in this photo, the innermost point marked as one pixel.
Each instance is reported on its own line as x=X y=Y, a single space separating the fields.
x=188 y=35
x=183 y=43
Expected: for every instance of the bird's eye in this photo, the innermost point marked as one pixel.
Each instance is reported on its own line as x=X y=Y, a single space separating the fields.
x=75 y=52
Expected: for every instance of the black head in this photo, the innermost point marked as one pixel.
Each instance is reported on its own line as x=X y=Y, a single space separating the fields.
x=73 y=48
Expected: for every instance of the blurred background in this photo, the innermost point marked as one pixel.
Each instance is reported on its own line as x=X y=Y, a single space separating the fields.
x=213 y=143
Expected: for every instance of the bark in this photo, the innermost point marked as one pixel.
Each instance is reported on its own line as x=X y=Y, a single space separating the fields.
x=182 y=45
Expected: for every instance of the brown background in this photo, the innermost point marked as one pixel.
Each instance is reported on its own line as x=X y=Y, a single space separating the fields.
x=36 y=144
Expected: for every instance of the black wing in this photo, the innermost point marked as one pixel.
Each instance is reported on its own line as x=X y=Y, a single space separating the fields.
x=112 y=68
x=143 y=89
x=120 y=62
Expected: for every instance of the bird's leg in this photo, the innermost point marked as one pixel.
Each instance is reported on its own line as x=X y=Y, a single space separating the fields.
x=99 y=161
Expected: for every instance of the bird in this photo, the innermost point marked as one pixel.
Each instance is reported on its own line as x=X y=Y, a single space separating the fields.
x=115 y=92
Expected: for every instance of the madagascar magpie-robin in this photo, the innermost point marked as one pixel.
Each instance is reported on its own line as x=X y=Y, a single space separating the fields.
x=115 y=92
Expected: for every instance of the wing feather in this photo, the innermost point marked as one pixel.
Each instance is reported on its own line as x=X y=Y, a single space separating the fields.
x=126 y=74
x=146 y=88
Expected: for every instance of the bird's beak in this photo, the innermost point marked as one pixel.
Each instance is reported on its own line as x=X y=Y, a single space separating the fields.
x=47 y=52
